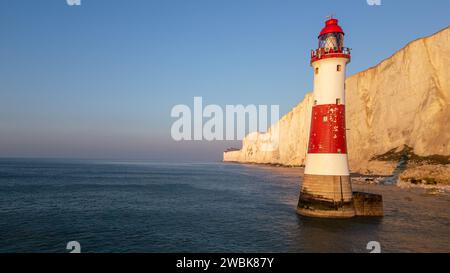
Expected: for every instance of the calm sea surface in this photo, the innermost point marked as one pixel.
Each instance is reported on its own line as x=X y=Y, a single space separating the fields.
x=154 y=207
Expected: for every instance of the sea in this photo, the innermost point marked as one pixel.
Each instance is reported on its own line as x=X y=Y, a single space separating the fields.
x=122 y=206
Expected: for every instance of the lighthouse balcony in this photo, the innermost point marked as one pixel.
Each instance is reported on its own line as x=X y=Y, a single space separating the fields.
x=324 y=53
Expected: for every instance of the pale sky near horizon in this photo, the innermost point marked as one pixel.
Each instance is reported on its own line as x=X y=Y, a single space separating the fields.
x=99 y=80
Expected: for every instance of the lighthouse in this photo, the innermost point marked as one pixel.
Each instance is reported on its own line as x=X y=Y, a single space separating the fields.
x=326 y=190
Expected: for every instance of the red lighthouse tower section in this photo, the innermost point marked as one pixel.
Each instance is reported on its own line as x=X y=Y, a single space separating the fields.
x=327 y=134
x=326 y=189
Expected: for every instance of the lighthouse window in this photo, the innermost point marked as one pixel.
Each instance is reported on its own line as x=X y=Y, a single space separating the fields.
x=324 y=118
x=338 y=101
x=317 y=70
x=339 y=67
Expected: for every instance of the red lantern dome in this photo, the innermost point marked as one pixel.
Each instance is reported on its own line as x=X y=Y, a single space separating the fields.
x=331 y=26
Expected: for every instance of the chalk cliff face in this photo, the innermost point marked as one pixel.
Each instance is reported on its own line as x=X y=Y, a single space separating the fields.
x=404 y=100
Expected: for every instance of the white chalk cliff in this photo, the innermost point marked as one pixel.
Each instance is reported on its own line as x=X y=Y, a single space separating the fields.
x=404 y=100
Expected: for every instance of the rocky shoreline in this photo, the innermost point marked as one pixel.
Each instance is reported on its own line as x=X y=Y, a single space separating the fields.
x=401 y=183
x=434 y=178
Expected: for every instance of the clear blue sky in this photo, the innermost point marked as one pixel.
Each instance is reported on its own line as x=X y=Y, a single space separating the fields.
x=99 y=80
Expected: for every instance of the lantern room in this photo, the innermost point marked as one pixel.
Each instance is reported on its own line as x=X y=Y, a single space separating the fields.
x=331 y=36
x=331 y=42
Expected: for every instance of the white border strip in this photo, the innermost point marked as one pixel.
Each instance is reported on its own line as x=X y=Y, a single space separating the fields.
x=327 y=164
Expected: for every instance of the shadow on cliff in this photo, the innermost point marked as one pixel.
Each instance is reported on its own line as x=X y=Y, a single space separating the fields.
x=401 y=157
x=404 y=157
x=402 y=164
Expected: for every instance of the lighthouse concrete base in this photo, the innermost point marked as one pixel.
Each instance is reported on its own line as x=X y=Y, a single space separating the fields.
x=326 y=196
x=368 y=204
x=311 y=206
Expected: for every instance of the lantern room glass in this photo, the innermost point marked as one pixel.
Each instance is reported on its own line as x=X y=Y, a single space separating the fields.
x=334 y=41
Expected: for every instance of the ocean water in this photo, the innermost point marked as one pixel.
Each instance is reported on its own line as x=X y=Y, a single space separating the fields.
x=217 y=207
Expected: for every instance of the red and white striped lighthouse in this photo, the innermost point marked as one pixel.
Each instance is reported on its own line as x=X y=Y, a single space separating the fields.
x=326 y=189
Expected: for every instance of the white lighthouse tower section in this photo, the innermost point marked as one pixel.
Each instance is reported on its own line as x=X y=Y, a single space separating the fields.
x=329 y=81
x=327 y=164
